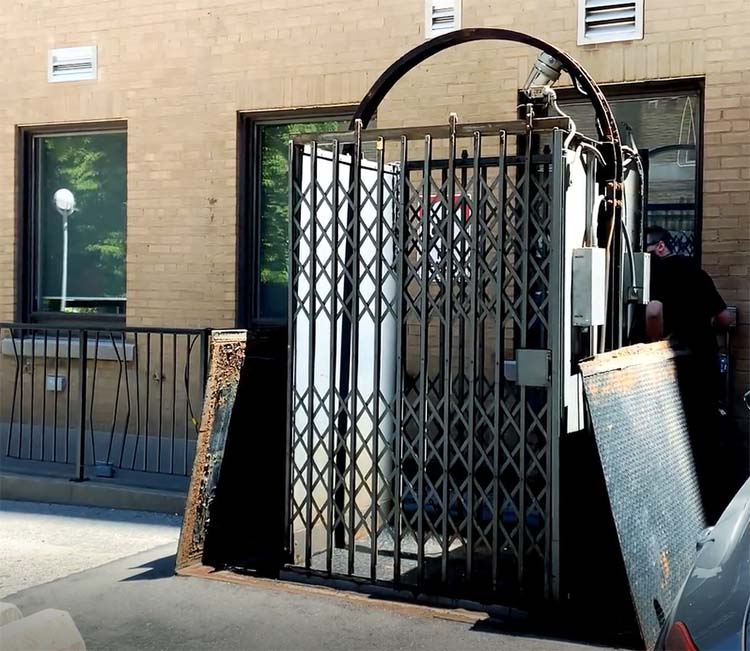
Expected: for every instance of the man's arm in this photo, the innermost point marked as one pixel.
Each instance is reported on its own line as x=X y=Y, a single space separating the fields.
x=654 y=321
x=717 y=308
x=722 y=320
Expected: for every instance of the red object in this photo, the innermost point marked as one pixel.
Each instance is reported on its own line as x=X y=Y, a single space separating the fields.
x=679 y=639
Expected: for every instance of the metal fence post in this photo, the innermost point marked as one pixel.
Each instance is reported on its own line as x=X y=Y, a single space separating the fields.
x=205 y=353
x=83 y=349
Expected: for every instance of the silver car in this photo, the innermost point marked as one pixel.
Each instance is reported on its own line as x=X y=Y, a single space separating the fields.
x=712 y=610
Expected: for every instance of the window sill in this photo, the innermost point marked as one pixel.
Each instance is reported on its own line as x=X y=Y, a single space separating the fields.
x=106 y=350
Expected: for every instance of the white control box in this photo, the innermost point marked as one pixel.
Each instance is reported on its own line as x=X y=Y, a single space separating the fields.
x=54 y=383
x=589 y=286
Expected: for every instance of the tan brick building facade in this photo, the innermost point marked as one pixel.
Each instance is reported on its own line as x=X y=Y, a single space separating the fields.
x=178 y=72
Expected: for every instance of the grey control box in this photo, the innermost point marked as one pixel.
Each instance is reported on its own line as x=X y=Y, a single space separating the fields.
x=638 y=288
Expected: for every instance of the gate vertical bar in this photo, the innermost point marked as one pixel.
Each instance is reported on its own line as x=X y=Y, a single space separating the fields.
x=524 y=289
x=556 y=333
x=295 y=178
x=311 y=349
x=402 y=217
x=379 y=261
x=332 y=388
x=499 y=376
x=473 y=355
x=423 y=351
x=355 y=185
x=448 y=338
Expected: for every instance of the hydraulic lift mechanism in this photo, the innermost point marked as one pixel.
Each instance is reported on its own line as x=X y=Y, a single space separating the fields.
x=446 y=283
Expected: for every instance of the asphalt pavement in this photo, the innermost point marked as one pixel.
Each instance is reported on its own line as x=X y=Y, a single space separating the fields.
x=136 y=602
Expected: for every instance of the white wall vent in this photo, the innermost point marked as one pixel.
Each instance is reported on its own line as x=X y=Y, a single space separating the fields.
x=72 y=64
x=605 y=21
x=441 y=17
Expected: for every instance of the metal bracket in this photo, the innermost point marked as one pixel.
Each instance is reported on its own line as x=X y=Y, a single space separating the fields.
x=529 y=118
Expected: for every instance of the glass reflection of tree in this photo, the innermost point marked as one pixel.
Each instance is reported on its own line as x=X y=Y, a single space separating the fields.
x=93 y=168
x=274 y=209
x=274 y=201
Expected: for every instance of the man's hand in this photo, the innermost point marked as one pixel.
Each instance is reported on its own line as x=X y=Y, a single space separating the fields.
x=655 y=320
x=723 y=320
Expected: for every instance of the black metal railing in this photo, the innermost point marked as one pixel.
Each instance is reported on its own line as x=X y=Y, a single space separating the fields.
x=108 y=398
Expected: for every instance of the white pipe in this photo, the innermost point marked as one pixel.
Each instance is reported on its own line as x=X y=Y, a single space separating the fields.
x=594 y=218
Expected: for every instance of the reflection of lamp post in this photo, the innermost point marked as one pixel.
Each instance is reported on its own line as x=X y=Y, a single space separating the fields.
x=65 y=204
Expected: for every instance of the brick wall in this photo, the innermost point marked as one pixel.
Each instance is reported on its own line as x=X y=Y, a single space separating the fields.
x=178 y=72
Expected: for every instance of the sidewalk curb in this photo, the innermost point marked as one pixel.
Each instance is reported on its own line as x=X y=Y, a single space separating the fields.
x=31 y=488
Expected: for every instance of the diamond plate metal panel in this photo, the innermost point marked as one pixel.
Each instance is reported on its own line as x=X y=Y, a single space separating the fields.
x=643 y=439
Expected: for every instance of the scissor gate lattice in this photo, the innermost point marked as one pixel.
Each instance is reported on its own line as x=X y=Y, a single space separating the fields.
x=425 y=333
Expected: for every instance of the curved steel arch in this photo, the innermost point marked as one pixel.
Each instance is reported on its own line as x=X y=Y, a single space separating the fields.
x=610 y=143
x=606 y=123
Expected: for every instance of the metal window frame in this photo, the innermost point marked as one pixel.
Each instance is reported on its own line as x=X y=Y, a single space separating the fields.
x=249 y=124
x=27 y=228
x=635 y=35
x=651 y=89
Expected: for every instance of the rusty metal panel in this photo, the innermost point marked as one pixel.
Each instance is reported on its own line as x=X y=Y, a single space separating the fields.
x=637 y=399
x=227 y=354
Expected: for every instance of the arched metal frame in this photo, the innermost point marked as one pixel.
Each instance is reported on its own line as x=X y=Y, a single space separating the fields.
x=610 y=145
x=606 y=123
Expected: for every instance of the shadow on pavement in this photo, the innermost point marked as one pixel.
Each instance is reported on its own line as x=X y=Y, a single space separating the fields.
x=555 y=631
x=160 y=568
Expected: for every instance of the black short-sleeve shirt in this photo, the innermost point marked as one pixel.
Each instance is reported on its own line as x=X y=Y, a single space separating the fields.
x=690 y=301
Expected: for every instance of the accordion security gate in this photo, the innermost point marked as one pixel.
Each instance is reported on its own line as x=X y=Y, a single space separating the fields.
x=425 y=356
